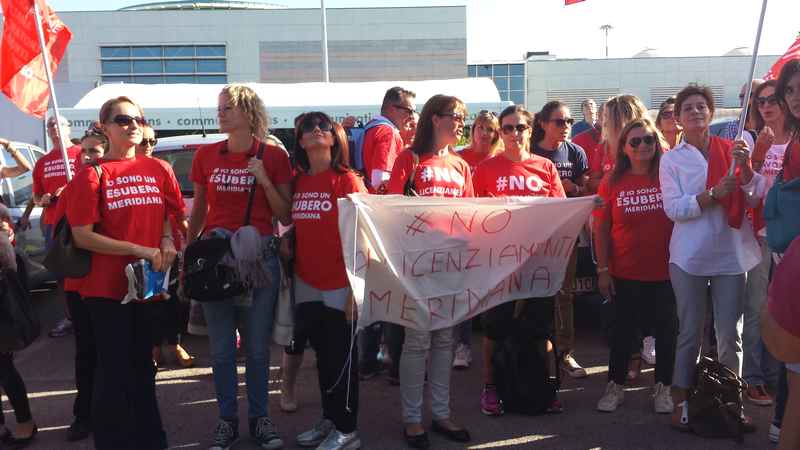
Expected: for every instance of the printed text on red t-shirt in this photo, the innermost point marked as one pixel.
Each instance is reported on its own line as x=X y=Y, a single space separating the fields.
x=640 y=200
x=308 y=204
x=531 y=183
x=231 y=180
x=55 y=168
x=133 y=190
x=430 y=174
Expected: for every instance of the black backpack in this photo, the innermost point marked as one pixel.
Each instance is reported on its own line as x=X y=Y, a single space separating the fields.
x=521 y=370
x=715 y=402
x=19 y=324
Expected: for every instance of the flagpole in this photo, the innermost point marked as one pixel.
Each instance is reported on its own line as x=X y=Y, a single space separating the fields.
x=325 y=71
x=46 y=61
x=749 y=86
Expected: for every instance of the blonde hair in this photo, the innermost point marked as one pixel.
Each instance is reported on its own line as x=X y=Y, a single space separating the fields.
x=246 y=99
x=619 y=111
x=108 y=108
x=487 y=118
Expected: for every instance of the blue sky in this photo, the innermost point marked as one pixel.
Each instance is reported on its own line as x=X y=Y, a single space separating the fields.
x=506 y=29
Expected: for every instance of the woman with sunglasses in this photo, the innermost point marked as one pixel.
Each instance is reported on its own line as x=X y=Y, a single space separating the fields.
x=759 y=368
x=712 y=241
x=667 y=123
x=515 y=172
x=632 y=245
x=322 y=290
x=441 y=125
x=123 y=217
x=223 y=175
x=167 y=314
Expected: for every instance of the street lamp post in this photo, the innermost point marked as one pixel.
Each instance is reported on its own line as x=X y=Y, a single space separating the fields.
x=606 y=28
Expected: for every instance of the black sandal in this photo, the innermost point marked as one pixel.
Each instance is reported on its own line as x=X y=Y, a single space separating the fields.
x=419 y=441
x=459 y=435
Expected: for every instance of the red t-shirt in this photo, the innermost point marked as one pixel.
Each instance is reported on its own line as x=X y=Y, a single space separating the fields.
x=315 y=214
x=137 y=195
x=499 y=177
x=382 y=144
x=640 y=230
x=49 y=175
x=600 y=162
x=588 y=140
x=227 y=181
x=473 y=158
x=784 y=303
x=445 y=176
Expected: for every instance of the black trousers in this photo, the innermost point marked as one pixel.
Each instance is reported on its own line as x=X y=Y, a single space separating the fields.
x=125 y=412
x=641 y=304
x=168 y=320
x=14 y=387
x=85 y=356
x=330 y=336
x=394 y=335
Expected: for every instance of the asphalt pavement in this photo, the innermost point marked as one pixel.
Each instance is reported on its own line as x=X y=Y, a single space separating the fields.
x=188 y=407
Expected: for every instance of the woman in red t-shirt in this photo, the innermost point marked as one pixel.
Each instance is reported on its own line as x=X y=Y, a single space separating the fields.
x=222 y=176
x=633 y=235
x=322 y=290
x=437 y=172
x=617 y=113
x=121 y=218
x=484 y=140
x=514 y=172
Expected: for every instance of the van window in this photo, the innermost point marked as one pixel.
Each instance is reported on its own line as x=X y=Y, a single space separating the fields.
x=21 y=186
x=181 y=162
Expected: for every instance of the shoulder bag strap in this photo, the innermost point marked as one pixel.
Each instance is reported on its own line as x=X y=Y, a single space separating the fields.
x=99 y=171
x=409 y=186
x=252 y=194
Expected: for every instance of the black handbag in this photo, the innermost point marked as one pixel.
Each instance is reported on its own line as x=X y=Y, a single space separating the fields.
x=19 y=324
x=63 y=258
x=205 y=278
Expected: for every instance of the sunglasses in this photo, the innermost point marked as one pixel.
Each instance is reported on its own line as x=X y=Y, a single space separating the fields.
x=769 y=100
x=408 y=110
x=486 y=113
x=648 y=140
x=149 y=142
x=310 y=125
x=125 y=120
x=667 y=114
x=458 y=117
x=563 y=122
x=520 y=128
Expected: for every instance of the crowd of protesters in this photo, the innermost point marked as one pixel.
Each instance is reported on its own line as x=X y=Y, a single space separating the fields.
x=676 y=235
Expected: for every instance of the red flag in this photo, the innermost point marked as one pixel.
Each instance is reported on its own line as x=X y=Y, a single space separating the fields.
x=22 y=74
x=572 y=2
x=792 y=53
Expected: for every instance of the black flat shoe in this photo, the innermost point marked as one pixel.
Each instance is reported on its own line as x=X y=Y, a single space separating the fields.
x=78 y=431
x=460 y=435
x=419 y=441
x=15 y=443
x=5 y=435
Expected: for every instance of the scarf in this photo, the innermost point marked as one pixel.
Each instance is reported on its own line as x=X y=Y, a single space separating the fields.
x=720 y=157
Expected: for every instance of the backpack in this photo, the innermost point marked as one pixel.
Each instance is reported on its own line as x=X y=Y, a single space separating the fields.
x=715 y=401
x=19 y=324
x=356 y=141
x=522 y=376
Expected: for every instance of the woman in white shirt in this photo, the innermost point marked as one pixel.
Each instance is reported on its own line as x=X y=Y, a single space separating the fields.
x=712 y=241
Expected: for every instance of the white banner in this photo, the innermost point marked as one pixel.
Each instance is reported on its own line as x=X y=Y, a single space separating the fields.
x=430 y=263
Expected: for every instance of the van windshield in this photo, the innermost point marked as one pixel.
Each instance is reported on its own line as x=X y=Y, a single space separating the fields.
x=181 y=162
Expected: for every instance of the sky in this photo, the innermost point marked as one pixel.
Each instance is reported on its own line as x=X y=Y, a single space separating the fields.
x=499 y=30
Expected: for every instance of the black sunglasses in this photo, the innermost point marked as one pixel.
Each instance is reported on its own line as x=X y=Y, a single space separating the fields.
x=125 y=120
x=406 y=109
x=458 y=117
x=648 y=140
x=308 y=126
x=563 y=122
x=508 y=129
x=667 y=114
x=768 y=100
x=149 y=142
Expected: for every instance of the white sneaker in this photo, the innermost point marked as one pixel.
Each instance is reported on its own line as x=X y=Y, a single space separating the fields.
x=337 y=440
x=774 y=433
x=571 y=366
x=649 y=350
x=613 y=397
x=662 y=399
x=463 y=357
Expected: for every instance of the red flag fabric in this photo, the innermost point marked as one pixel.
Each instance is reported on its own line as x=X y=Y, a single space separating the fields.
x=572 y=2
x=720 y=156
x=792 y=53
x=22 y=75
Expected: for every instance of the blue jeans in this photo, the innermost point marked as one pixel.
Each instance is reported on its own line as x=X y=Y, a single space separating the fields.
x=759 y=366
x=223 y=319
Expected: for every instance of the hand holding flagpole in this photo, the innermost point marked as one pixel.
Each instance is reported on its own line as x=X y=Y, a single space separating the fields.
x=46 y=60
x=749 y=86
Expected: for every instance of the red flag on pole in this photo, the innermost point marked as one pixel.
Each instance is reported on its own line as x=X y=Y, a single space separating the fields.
x=572 y=2
x=22 y=76
x=792 y=53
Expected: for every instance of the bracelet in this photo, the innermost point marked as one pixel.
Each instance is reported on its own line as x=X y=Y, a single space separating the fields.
x=602 y=270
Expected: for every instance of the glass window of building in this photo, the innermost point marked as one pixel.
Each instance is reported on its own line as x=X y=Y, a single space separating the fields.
x=155 y=64
x=509 y=79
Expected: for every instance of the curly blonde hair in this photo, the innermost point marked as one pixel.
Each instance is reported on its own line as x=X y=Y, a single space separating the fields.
x=246 y=99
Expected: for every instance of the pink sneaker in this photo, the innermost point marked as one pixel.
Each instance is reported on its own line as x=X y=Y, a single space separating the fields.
x=555 y=408
x=491 y=405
